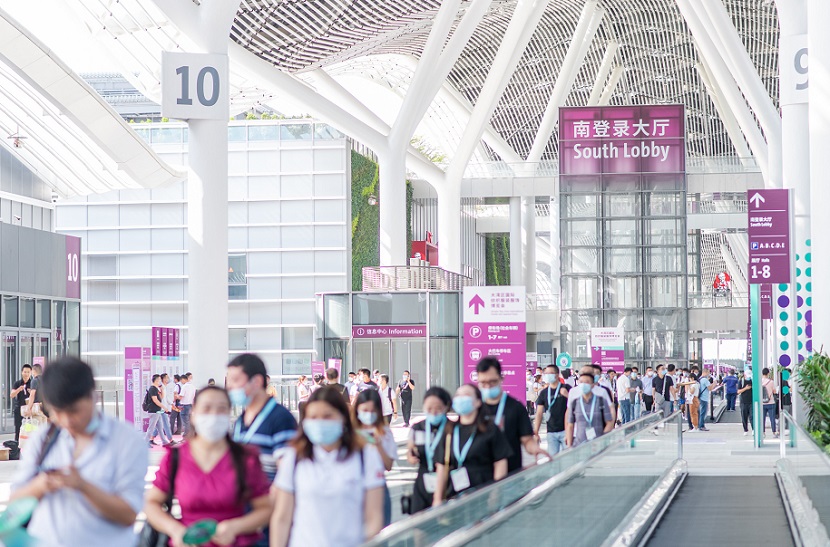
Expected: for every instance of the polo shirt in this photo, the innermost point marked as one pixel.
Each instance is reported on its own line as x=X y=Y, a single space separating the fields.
x=272 y=434
x=331 y=487
x=115 y=462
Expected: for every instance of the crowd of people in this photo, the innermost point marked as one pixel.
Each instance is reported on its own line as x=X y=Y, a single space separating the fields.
x=266 y=478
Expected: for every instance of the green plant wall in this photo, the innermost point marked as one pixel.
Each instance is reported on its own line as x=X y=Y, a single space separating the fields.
x=366 y=218
x=497 y=256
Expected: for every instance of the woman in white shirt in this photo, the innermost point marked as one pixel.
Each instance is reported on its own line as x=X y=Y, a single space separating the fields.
x=329 y=477
x=693 y=400
x=370 y=424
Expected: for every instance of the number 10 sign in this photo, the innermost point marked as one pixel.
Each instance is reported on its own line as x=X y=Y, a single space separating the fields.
x=769 y=236
x=194 y=86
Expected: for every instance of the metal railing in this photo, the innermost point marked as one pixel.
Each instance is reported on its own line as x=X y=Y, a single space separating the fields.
x=399 y=278
x=712 y=299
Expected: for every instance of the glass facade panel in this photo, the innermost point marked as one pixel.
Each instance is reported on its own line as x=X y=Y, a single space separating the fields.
x=581 y=292
x=27 y=313
x=336 y=309
x=9 y=311
x=296 y=132
x=580 y=206
x=44 y=315
x=263 y=133
x=443 y=314
x=389 y=309
x=73 y=329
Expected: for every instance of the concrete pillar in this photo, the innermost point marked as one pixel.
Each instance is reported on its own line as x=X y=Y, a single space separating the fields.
x=528 y=205
x=392 y=203
x=818 y=17
x=516 y=259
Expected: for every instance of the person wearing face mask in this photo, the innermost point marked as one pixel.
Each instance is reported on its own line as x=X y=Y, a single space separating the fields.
x=745 y=394
x=215 y=478
x=424 y=439
x=404 y=390
x=370 y=424
x=86 y=468
x=624 y=395
x=530 y=391
x=589 y=415
x=264 y=422
x=328 y=481
x=648 y=389
x=597 y=389
x=636 y=393
x=475 y=453
x=662 y=386
x=508 y=414
x=551 y=406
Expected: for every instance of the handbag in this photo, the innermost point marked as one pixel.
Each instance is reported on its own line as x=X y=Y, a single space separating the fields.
x=150 y=537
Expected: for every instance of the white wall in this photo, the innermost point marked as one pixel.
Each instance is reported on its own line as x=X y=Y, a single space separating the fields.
x=289 y=221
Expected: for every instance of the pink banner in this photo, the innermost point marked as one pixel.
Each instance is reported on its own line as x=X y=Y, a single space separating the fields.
x=165 y=340
x=136 y=382
x=391 y=331
x=177 y=336
x=336 y=364
x=73 y=267
x=156 y=342
x=318 y=367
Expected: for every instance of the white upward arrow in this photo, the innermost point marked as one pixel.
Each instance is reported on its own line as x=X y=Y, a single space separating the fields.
x=758 y=199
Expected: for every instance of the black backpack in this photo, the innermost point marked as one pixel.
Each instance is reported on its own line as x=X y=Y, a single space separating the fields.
x=146 y=404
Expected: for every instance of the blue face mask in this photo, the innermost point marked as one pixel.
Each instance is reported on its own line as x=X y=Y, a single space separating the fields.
x=596 y=377
x=367 y=418
x=464 y=405
x=239 y=397
x=490 y=392
x=585 y=388
x=323 y=432
x=550 y=378
x=435 y=419
x=93 y=424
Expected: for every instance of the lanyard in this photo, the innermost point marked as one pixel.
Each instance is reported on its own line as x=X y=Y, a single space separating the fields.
x=245 y=439
x=461 y=457
x=430 y=447
x=582 y=405
x=500 y=411
x=550 y=402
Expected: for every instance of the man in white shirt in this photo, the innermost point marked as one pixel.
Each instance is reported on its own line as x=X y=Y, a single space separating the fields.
x=648 y=389
x=188 y=394
x=623 y=390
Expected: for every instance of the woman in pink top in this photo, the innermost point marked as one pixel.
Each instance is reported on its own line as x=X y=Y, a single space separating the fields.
x=216 y=479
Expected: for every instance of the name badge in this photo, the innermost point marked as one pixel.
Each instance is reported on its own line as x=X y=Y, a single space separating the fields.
x=546 y=416
x=460 y=479
x=430 y=482
x=590 y=434
x=420 y=438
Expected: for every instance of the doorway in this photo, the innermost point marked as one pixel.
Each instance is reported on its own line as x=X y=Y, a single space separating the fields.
x=392 y=357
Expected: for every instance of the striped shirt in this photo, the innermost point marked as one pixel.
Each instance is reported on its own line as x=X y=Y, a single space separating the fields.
x=274 y=427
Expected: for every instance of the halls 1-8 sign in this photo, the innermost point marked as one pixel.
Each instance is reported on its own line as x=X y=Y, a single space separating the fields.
x=194 y=86
x=768 y=232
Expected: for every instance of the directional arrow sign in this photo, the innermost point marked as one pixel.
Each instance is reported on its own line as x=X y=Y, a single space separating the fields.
x=768 y=231
x=757 y=200
x=476 y=303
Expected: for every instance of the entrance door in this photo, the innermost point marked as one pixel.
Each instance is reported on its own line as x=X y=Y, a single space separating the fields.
x=392 y=357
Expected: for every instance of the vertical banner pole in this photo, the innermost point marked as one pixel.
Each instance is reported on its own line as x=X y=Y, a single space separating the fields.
x=755 y=321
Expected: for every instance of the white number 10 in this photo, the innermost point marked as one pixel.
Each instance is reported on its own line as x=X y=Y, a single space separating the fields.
x=72 y=267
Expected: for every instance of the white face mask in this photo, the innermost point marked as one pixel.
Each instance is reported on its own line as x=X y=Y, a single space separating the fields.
x=212 y=426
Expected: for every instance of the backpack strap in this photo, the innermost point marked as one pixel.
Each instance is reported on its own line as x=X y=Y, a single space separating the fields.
x=48 y=442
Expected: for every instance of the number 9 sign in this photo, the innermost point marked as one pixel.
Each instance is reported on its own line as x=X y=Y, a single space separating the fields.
x=194 y=86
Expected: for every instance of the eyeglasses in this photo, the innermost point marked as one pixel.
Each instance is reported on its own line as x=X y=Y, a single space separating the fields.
x=489 y=383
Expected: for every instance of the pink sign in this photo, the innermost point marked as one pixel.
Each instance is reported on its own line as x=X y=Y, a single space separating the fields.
x=768 y=232
x=165 y=340
x=39 y=361
x=174 y=344
x=495 y=326
x=318 y=367
x=389 y=331
x=608 y=348
x=157 y=341
x=766 y=301
x=73 y=267
x=136 y=382
x=622 y=139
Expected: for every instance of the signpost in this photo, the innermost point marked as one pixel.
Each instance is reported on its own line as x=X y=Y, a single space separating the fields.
x=770 y=261
x=136 y=383
x=608 y=347
x=563 y=361
x=495 y=325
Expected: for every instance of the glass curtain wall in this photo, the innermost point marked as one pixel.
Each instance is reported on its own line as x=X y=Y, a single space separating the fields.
x=623 y=263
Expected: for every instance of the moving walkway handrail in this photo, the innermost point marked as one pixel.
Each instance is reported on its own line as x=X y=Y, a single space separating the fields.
x=464 y=536
x=490 y=496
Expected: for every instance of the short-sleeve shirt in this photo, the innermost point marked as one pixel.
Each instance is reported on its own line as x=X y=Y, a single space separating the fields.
x=731 y=384
x=20 y=398
x=663 y=386
x=169 y=395
x=34 y=385
x=153 y=392
x=188 y=393
x=213 y=494
x=601 y=414
x=556 y=422
x=648 y=385
x=115 y=462
x=331 y=487
x=623 y=383
x=486 y=449
x=386 y=396
x=515 y=424
x=746 y=396
x=406 y=391
x=637 y=383
x=704 y=389
x=272 y=434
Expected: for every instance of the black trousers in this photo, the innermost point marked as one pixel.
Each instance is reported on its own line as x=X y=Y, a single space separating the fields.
x=175 y=422
x=649 y=401
x=18 y=422
x=406 y=408
x=746 y=415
